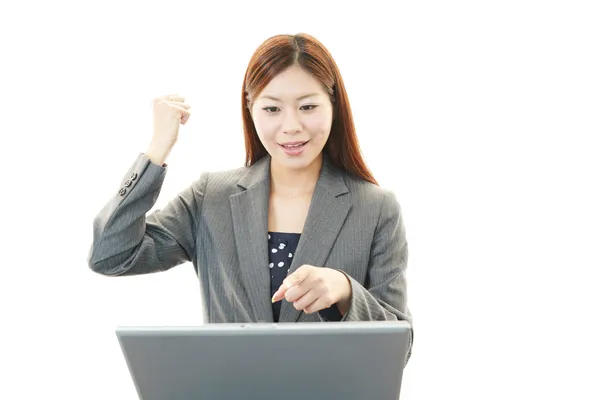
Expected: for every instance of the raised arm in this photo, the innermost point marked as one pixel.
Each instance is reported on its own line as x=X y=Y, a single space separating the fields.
x=126 y=242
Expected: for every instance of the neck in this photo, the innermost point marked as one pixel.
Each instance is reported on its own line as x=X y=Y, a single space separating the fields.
x=295 y=182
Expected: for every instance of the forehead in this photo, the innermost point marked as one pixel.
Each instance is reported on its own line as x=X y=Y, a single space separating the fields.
x=293 y=83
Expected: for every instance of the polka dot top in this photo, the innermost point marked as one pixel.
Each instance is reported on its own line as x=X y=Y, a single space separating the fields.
x=282 y=247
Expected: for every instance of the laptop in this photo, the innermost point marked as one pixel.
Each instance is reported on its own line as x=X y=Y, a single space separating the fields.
x=347 y=360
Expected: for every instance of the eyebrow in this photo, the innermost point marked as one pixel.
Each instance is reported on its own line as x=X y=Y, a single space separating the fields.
x=299 y=98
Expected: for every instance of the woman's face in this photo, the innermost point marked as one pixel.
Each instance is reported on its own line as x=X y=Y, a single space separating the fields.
x=293 y=116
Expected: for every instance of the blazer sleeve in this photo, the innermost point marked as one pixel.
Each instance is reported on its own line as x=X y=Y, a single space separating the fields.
x=383 y=297
x=127 y=242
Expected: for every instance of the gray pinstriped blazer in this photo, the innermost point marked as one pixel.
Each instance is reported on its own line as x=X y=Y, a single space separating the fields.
x=219 y=223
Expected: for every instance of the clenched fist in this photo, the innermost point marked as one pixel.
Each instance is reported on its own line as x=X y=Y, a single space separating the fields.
x=169 y=112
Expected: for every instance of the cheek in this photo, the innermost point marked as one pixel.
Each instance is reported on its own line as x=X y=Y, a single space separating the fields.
x=319 y=126
x=265 y=128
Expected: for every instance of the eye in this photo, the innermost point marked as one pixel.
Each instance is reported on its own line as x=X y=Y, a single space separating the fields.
x=312 y=107
x=270 y=110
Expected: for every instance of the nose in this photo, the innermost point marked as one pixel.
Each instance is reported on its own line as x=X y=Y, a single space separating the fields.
x=291 y=123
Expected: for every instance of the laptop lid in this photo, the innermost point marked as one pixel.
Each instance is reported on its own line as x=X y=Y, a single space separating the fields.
x=347 y=360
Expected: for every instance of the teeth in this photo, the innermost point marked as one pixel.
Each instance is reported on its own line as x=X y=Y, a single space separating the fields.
x=291 y=146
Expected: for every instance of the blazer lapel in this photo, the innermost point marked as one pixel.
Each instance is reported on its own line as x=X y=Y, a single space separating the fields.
x=249 y=210
x=328 y=210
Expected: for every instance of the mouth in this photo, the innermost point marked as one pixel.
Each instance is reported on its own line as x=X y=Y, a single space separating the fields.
x=293 y=149
x=293 y=145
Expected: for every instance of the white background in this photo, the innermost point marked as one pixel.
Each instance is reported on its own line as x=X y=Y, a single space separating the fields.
x=482 y=116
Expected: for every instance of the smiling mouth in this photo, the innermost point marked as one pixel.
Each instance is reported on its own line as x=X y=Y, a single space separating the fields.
x=294 y=145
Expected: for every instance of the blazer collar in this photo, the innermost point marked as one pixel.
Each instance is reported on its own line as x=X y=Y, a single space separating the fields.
x=330 y=178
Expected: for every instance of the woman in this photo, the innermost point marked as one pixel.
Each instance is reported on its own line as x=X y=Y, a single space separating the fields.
x=301 y=233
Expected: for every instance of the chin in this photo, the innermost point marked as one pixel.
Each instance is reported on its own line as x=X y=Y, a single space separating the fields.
x=299 y=162
x=295 y=163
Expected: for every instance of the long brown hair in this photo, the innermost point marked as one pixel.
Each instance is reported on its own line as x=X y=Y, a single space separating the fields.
x=281 y=52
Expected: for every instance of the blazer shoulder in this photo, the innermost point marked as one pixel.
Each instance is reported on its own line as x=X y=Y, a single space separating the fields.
x=367 y=191
x=218 y=183
x=380 y=202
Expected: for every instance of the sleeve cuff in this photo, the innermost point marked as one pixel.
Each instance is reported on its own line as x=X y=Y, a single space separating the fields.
x=152 y=164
